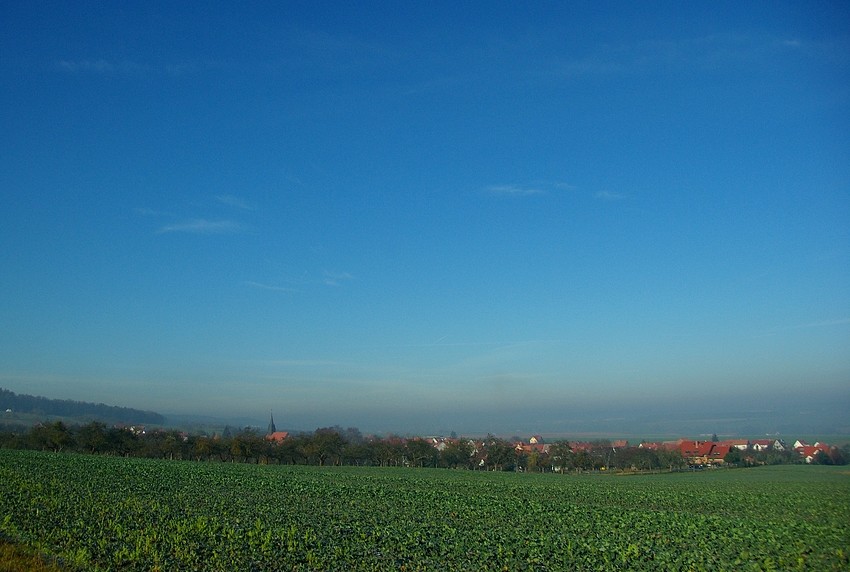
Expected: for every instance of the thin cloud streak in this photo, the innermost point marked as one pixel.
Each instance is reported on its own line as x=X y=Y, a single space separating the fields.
x=262 y=286
x=806 y=326
x=100 y=66
x=145 y=211
x=823 y=323
x=236 y=202
x=299 y=363
x=107 y=67
x=526 y=190
x=514 y=190
x=336 y=278
x=332 y=279
x=441 y=343
x=609 y=196
x=709 y=53
x=202 y=226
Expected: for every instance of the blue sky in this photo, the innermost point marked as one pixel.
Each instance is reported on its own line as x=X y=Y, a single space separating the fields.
x=427 y=217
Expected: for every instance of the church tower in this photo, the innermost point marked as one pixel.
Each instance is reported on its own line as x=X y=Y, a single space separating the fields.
x=272 y=428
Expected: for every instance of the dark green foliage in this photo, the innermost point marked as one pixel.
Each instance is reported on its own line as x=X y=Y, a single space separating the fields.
x=110 y=513
x=44 y=406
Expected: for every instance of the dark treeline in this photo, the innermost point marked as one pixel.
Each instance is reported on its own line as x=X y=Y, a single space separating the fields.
x=68 y=408
x=337 y=446
x=325 y=446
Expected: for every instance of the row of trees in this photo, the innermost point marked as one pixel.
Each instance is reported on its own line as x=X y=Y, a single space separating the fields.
x=337 y=446
x=22 y=403
x=329 y=446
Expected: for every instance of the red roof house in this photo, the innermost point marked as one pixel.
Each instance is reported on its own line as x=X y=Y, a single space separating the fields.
x=277 y=437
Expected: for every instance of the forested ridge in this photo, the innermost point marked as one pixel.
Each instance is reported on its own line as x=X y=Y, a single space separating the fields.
x=20 y=403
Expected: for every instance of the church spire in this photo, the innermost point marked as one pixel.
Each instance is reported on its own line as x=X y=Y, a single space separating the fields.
x=272 y=428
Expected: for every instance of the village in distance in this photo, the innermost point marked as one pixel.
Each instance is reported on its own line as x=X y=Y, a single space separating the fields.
x=40 y=423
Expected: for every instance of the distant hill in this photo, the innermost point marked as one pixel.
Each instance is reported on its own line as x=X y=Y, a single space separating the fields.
x=78 y=409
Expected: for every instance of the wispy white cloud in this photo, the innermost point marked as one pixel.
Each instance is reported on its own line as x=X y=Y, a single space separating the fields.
x=528 y=189
x=184 y=68
x=236 y=202
x=805 y=326
x=560 y=186
x=100 y=66
x=514 y=190
x=272 y=287
x=95 y=66
x=300 y=362
x=103 y=66
x=304 y=282
x=822 y=323
x=145 y=211
x=446 y=341
x=336 y=278
x=202 y=226
x=598 y=64
x=609 y=196
x=711 y=52
x=544 y=188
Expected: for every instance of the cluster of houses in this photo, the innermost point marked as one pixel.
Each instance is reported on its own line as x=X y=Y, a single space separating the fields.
x=694 y=452
x=709 y=453
x=715 y=452
x=810 y=452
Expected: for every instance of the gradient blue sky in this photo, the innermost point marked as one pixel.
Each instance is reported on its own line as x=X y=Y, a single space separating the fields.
x=423 y=216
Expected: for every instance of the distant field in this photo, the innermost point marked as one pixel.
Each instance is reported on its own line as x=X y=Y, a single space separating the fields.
x=106 y=513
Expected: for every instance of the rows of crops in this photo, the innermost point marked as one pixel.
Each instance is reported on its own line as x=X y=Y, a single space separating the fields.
x=106 y=513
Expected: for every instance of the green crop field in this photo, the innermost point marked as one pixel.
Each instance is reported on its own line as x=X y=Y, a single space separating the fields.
x=107 y=513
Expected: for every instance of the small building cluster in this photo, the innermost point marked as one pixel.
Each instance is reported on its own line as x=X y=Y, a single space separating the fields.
x=709 y=453
x=273 y=435
x=810 y=453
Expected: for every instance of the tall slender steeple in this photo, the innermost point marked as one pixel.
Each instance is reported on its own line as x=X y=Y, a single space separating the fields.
x=272 y=428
